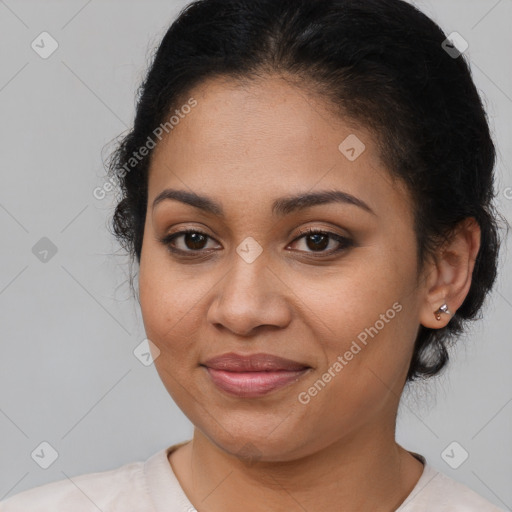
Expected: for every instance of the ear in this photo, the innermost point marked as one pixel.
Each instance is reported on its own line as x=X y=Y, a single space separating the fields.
x=449 y=274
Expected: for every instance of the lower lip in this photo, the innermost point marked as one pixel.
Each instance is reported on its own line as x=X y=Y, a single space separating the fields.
x=253 y=384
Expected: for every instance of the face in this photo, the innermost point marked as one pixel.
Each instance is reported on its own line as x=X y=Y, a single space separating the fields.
x=343 y=302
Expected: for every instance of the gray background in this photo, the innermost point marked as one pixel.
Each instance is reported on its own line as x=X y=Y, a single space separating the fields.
x=68 y=375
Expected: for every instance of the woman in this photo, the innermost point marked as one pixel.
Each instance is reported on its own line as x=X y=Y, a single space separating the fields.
x=307 y=190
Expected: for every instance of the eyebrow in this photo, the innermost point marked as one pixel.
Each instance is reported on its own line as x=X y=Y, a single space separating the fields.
x=281 y=206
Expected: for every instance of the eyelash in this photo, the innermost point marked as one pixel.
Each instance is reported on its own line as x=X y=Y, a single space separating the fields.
x=345 y=243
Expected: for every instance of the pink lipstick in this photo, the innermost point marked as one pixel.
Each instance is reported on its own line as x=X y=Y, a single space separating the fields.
x=254 y=375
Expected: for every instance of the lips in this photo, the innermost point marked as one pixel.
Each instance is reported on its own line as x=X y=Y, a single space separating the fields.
x=253 y=363
x=252 y=376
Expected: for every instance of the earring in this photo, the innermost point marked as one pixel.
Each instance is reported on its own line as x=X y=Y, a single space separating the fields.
x=442 y=309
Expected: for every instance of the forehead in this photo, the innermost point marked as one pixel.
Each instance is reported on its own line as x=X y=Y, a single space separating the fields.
x=257 y=119
x=269 y=138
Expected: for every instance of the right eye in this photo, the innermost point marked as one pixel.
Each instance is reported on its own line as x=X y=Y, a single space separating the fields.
x=193 y=240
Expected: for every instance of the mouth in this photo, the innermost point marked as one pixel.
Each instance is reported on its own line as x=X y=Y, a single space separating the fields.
x=253 y=376
x=253 y=384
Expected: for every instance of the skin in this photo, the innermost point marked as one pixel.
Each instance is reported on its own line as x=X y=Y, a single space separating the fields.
x=244 y=147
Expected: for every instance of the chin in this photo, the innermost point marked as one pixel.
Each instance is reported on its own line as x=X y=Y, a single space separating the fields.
x=251 y=445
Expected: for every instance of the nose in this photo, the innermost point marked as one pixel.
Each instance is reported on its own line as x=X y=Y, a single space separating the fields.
x=250 y=296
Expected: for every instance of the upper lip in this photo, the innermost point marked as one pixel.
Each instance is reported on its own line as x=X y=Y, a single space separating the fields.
x=252 y=363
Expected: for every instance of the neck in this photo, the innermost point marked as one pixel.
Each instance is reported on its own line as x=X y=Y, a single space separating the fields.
x=369 y=471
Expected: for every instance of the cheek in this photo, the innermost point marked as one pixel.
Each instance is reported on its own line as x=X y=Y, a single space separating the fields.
x=172 y=301
x=163 y=304
x=369 y=313
x=169 y=317
x=170 y=322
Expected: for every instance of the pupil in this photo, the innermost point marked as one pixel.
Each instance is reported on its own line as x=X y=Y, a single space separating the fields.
x=194 y=239
x=316 y=236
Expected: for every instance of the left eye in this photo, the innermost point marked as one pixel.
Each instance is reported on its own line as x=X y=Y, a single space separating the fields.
x=316 y=240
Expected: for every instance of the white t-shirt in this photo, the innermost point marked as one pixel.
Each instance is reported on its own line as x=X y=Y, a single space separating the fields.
x=152 y=486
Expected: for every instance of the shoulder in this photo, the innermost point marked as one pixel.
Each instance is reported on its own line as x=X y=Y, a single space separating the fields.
x=437 y=491
x=455 y=496
x=122 y=488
